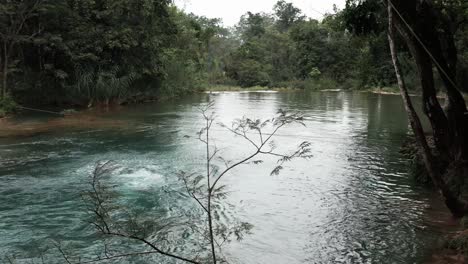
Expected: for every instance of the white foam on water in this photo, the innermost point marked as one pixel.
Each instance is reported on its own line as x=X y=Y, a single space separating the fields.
x=140 y=179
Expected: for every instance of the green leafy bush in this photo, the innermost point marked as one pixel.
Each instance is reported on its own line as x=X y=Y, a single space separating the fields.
x=181 y=76
x=459 y=242
x=7 y=105
x=322 y=83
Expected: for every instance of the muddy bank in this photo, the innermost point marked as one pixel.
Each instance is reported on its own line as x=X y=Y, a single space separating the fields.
x=453 y=250
x=447 y=257
x=453 y=245
x=88 y=119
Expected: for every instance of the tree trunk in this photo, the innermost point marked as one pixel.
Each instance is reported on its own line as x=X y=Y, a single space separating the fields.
x=457 y=206
x=431 y=105
x=5 y=69
x=446 y=62
x=1 y=89
x=429 y=36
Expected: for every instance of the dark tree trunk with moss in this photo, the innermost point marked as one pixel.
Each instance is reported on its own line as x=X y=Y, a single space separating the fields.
x=430 y=40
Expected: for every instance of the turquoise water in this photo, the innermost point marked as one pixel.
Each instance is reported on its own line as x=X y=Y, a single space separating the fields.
x=352 y=202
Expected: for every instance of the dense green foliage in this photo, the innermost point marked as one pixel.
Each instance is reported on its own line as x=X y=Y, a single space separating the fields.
x=7 y=105
x=89 y=52
x=347 y=49
x=369 y=18
x=286 y=49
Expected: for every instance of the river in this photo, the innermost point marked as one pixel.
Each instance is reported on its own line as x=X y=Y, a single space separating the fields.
x=352 y=202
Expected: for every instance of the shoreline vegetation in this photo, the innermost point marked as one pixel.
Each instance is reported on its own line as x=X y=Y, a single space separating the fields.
x=67 y=65
x=84 y=117
x=110 y=53
x=8 y=108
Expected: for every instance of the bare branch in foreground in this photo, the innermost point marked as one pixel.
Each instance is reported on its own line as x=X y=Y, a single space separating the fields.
x=207 y=192
x=206 y=189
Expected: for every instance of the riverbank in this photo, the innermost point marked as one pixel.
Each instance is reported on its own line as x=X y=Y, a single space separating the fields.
x=452 y=247
x=233 y=88
x=396 y=91
x=386 y=90
x=8 y=108
x=454 y=233
x=453 y=250
x=86 y=119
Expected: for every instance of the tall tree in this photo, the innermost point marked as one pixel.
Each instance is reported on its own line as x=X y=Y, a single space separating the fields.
x=14 y=18
x=451 y=199
x=429 y=35
x=253 y=25
x=287 y=15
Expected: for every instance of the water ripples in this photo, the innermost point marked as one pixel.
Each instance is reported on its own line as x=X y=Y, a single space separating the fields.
x=353 y=202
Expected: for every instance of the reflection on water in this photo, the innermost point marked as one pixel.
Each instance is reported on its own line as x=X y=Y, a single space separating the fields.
x=351 y=203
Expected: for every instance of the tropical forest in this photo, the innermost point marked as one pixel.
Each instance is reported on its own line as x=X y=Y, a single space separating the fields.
x=152 y=131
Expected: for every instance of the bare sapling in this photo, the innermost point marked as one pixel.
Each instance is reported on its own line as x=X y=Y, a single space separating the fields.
x=116 y=223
